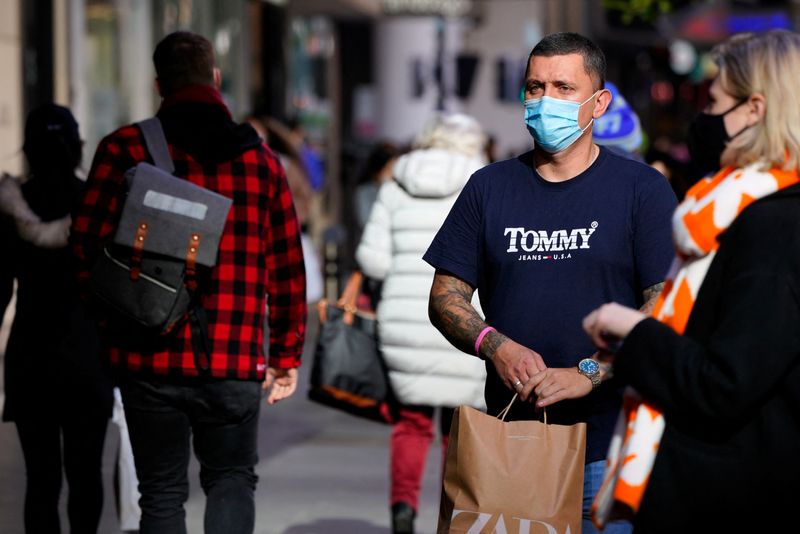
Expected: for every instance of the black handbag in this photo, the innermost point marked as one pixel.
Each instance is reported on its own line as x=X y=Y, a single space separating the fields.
x=165 y=243
x=348 y=372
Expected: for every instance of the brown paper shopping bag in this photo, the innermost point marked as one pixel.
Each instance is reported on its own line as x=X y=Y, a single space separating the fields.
x=512 y=477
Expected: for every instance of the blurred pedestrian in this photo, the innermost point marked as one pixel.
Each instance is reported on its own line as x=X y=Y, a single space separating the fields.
x=545 y=237
x=277 y=136
x=312 y=161
x=377 y=171
x=719 y=361
x=58 y=393
x=310 y=164
x=169 y=395
x=424 y=370
x=670 y=159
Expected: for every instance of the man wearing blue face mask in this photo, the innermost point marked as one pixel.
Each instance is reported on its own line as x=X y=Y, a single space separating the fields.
x=546 y=236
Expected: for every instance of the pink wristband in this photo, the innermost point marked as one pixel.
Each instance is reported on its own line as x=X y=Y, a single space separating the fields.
x=480 y=339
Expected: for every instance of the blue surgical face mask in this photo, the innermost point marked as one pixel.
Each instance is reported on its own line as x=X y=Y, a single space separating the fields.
x=553 y=123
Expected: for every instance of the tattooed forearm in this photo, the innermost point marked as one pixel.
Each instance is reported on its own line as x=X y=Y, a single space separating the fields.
x=650 y=297
x=451 y=312
x=492 y=343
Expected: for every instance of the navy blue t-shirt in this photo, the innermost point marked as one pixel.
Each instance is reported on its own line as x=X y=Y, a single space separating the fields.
x=543 y=255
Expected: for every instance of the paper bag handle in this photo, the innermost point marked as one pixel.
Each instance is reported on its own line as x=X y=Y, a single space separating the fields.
x=502 y=415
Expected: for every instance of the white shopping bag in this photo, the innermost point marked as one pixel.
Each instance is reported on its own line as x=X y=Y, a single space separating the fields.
x=127 y=483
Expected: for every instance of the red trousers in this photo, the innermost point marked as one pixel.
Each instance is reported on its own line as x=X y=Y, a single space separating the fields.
x=412 y=435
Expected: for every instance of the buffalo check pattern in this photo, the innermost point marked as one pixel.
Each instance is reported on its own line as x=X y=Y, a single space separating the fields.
x=260 y=257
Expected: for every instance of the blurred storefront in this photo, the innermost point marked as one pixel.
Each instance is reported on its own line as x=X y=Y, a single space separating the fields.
x=12 y=110
x=105 y=71
x=365 y=71
x=355 y=72
x=350 y=71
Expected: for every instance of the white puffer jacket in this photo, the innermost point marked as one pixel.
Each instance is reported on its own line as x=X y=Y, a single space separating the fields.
x=424 y=368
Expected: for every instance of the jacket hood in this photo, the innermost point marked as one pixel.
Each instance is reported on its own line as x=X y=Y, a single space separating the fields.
x=434 y=172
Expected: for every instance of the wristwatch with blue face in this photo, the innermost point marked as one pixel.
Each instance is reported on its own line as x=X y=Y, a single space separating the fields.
x=591 y=370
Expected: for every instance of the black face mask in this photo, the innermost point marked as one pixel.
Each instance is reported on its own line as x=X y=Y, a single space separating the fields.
x=706 y=142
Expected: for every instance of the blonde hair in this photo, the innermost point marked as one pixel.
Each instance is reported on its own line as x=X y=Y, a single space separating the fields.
x=453 y=131
x=768 y=64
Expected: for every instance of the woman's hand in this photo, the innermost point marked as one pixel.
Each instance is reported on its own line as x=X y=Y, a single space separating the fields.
x=609 y=322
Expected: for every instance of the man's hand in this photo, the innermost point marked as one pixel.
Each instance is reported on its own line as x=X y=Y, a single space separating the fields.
x=556 y=384
x=451 y=312
x=281 y=384
x=516 y=364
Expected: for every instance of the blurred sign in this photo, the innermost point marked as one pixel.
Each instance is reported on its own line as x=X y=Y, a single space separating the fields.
x=334 y=8
x=712 y=24
x=448 y=8
x=365 y=108
x=758 y=23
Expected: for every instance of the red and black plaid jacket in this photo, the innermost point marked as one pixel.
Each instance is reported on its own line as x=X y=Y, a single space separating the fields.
x=259 y=254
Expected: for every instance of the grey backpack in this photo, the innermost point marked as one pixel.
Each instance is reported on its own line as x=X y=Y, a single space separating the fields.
x=166 y=241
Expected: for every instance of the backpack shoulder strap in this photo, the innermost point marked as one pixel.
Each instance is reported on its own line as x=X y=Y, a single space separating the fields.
x=156 y=143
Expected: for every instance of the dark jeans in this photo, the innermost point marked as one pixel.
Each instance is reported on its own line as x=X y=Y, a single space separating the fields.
x=41 y=440
x=222 y=417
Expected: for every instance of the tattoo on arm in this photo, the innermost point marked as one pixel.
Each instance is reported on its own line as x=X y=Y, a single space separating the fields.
x=451 y=312
x=492 y=343
x=650 y=297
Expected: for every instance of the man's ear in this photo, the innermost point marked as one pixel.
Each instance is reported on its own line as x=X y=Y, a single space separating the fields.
x=217 y=78
x=602 y=103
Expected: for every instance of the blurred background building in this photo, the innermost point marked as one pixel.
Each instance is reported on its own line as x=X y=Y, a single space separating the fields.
x=353 y=72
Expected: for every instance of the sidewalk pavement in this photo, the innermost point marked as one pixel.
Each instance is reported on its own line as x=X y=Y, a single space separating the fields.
x=321 y=472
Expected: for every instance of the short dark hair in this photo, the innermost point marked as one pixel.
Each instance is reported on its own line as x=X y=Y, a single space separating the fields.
x=563 y=43
x=181 y=59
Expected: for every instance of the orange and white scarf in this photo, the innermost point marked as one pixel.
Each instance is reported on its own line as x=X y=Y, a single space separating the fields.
x=710 y=207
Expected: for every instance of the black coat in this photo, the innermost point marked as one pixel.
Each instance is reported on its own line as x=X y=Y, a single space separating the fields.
x=729 y=460
x=53 y=365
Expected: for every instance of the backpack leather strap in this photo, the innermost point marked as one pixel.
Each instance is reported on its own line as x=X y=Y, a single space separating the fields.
x=138 y=249
x=191 y=262
x=156 y=143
